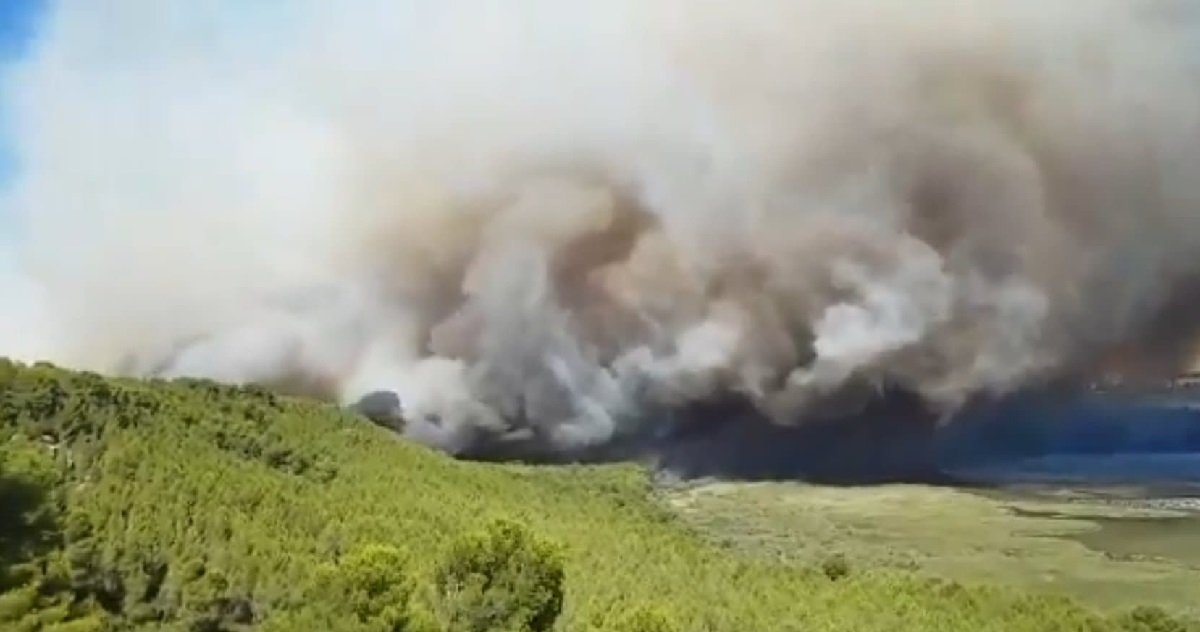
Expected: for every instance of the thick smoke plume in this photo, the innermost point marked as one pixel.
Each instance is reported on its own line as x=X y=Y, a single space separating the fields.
x=560 y=221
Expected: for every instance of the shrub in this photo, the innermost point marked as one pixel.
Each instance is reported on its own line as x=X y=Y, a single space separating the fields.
x=836 y=567
x=500 y=578
x=373 y=585
x=1149 y=619
x=642 y=618
x=368 y=590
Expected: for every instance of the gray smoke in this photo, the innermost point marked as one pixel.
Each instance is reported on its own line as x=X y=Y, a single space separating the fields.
x=550 y=220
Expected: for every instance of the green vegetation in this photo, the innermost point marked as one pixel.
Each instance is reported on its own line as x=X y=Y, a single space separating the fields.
x=1109 y=556
x=190 y=506
x=499 y=579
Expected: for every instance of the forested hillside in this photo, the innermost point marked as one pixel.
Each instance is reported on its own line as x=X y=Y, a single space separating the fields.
x=192 y=506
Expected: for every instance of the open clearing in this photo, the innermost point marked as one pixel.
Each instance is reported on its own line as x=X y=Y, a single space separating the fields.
x=1107 y=551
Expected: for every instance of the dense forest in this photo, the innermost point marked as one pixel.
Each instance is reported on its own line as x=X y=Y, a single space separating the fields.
x=193 y=506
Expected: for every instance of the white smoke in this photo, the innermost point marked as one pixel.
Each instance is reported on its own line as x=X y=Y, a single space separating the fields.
x=541 y=218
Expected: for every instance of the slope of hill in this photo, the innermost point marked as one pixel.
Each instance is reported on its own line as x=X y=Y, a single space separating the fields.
x=193 y=506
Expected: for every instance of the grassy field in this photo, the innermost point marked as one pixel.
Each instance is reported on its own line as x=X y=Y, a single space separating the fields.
x=1107 y=555
x=194 y=507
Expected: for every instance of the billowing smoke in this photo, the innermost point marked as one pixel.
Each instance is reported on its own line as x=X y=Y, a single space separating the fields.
x=561 y=221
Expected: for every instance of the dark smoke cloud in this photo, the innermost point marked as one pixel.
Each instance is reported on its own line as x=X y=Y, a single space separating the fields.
x=555 y=223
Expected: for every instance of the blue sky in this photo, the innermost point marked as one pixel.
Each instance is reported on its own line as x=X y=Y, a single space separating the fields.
x=18 y=20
